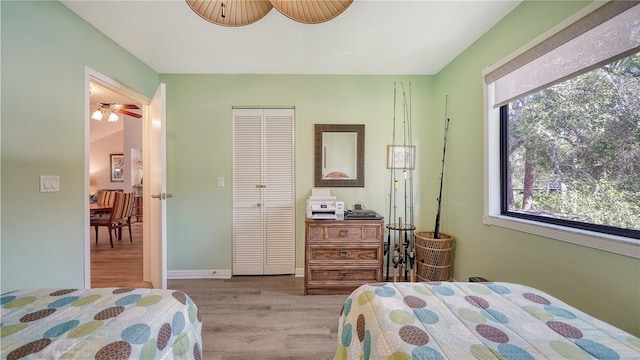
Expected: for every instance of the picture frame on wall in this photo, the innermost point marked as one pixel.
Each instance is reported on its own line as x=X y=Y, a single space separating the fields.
x=117 y=167
x=401 y=157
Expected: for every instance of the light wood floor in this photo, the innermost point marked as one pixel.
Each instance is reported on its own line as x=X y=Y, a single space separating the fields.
x=263 y=317
x=120 y=266
x=245 y=317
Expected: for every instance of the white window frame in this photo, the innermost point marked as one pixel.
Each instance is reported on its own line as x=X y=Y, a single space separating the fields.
x=492 y=192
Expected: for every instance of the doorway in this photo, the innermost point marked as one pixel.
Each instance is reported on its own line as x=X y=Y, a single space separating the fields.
x=121 y=139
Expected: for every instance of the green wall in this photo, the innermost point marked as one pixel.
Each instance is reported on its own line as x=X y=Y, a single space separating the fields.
x=199 y=148
x=45 y=47
x=600 y=283
x=44 y=50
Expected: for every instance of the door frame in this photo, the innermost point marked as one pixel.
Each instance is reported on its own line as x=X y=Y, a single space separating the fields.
x=93 y=75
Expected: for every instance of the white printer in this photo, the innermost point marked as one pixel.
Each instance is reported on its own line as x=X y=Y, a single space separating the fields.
x=321 y=205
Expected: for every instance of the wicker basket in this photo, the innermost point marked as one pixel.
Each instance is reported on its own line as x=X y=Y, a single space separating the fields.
x=433 y=256
x=426 y=239
x=428 y=272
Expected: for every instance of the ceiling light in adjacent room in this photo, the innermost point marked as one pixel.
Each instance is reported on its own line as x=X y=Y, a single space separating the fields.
x=97 y=115
x=105 y=111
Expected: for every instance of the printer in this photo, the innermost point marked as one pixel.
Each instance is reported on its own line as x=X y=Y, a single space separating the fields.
x=321 y=205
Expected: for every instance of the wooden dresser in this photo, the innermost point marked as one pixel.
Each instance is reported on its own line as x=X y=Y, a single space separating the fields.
x=341 y=255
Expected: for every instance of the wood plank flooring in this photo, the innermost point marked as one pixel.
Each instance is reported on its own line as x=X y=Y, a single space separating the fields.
x=263 y=317
x=245 y=317
x=120 y=266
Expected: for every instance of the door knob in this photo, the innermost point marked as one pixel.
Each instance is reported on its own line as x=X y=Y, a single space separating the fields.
x=162 y=196
x=259 y=204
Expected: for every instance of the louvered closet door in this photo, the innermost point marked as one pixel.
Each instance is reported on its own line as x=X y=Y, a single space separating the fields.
x=278 y=193
x=263 y=211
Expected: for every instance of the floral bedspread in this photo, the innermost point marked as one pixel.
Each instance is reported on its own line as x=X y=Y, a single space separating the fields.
x=451 y=320
x=102 y=323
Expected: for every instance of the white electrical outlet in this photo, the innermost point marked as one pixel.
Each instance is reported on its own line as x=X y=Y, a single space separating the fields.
x=220 y=181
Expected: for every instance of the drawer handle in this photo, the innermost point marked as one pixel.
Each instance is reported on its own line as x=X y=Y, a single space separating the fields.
x=344 y=274
x=344 y=253
x=344 y=232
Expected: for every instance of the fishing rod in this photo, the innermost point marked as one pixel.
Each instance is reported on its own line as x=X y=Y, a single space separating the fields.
x=387 y=246
x=436 y=231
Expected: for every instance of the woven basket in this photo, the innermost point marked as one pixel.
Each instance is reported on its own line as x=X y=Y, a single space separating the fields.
x=433 y=256
x=428 y=272
x=426 y=239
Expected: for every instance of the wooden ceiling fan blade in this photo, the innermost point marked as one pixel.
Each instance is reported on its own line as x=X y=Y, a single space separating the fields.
x=125 y=112
x=311 y=11
x=231 y=12
x=129 y=106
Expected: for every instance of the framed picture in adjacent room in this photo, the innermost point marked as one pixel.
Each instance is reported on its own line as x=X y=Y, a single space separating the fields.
x=117 y=167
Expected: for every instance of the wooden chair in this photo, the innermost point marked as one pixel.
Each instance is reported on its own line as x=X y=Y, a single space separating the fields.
x=117 y=217
x=127 y=215
x=105 y=196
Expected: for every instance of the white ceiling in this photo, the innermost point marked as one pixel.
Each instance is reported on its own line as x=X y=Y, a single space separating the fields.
x=392 y=37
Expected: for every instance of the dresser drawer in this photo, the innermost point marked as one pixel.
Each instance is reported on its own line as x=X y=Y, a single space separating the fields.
x=320 y=254
x=344 y=232
x=341 y=255
x=345 y=275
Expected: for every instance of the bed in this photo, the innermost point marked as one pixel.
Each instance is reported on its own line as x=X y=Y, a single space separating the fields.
x=453 y=320
x=101 y=323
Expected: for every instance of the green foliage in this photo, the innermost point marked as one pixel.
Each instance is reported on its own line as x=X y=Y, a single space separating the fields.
x=581 y=142
x=600 y=203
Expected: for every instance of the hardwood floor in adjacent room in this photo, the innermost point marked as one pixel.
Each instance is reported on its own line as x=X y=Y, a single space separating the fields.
x=120 y=266
x=263 y=317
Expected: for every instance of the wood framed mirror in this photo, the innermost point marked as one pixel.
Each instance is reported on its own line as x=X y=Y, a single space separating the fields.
x=339 y=155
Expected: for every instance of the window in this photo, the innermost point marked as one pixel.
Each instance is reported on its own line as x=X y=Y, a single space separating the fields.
x=570 y=153
x=562 y=133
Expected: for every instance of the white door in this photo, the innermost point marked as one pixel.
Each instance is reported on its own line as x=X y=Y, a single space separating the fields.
x=263 y=189
x=155 y=192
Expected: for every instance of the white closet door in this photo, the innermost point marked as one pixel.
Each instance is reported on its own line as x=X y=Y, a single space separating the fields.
x=248 y=223
x=264 y=200
x=279 y=192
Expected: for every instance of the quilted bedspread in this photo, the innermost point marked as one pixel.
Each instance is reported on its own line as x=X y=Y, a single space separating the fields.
x=102 y=323
x=451 y=320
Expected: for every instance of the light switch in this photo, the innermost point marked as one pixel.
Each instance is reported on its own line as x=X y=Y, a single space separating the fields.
x=220 y=181
x=49 y=183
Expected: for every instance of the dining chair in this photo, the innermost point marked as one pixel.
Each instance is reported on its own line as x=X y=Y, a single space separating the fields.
x=127 y=215
x=105 y=196
x=117 y=217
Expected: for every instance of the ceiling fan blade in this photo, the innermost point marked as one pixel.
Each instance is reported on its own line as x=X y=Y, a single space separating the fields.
x=125 y=112
x=129 y=106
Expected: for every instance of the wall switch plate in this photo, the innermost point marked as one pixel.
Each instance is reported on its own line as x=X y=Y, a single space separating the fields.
x=49 y=183
x=220 y=181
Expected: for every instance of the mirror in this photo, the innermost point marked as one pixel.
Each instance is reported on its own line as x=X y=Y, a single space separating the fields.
x=339 y=155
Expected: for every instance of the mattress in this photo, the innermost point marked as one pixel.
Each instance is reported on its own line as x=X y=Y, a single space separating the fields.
x=102 y=323
x=452 y=320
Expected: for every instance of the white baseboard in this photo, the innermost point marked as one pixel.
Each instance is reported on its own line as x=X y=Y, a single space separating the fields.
x=210 y=274
x=198 y=274
x=215 y=274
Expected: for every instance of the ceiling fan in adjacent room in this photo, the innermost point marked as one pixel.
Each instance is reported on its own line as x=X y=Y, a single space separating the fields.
x=110 y=111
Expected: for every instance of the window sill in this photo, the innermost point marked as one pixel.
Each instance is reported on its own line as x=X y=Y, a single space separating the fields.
x=611 y=243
